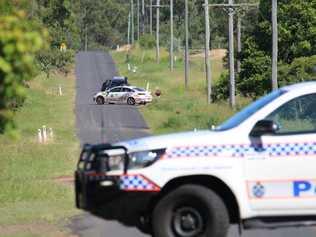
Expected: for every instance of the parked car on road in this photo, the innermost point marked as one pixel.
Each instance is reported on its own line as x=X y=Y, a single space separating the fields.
x=130 y=95
x=257 y=170
x=115 y=81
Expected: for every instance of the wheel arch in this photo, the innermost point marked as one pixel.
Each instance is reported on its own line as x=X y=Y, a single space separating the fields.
x=211 y=182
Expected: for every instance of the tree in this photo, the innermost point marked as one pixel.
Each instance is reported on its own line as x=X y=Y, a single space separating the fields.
x=19 y=42
x=297 y=45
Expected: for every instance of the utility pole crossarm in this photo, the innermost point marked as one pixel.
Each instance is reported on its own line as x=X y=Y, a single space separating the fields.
x=233 y=5
x=157 y=6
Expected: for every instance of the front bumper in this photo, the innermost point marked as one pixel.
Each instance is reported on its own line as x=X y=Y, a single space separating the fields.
x=118 y=197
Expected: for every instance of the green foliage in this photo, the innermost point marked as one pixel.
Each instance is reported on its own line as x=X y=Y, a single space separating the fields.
x=147 y=41
x=297 y=28
x=220 y=90
x=301 y=69
x=55 y=59
x=297 y=45
x=19 y=42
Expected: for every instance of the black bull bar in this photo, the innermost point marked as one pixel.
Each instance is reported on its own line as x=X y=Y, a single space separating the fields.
x=91 y=169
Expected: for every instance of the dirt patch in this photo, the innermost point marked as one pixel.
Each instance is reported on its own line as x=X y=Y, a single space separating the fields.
x=41 y=229
x=124 y=48
x=68 y=180
x=216 y=54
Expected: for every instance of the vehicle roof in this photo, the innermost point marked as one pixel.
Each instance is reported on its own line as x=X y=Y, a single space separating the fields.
x=118 y=78
x=130 y=87
x=300 y=86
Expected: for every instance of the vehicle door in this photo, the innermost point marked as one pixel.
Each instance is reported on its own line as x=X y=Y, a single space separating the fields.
x=280 y=168
x=114 y=95
x=126 y=93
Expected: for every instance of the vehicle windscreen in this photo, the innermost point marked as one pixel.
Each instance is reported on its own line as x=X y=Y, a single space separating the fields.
x=249 y=110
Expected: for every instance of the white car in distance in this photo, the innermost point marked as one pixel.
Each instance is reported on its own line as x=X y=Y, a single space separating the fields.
x=130 y=95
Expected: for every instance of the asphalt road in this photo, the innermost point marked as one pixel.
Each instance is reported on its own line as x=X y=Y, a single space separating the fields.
x=102 y=123
x=112 y=123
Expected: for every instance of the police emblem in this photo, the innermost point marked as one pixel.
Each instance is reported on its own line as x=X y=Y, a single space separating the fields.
x=258 y=190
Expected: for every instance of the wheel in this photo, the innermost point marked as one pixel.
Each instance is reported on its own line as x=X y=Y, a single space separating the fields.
x=100 y=100
x=131 y=101
x=189 y=211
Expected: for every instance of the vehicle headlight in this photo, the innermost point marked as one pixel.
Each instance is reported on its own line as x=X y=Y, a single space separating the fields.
x=116 y=162
x=144 y=159
x=137 y=160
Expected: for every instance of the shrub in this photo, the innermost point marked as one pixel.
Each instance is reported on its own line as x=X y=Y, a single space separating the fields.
x=147 y=41
x=20 y=40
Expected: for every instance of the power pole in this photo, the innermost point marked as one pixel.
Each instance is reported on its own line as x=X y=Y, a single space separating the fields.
x=157 y=32
x=85 y=31
x=143 y=17
x=231 y=8
x=138 y=20
x=151 y=17
x=129 y=29
x=186 y=66
x=207 y=50
x=32 y=8
x=238 y=41
x=274 y=44
x=171 y=36
x=86 y=39
x=132 y=21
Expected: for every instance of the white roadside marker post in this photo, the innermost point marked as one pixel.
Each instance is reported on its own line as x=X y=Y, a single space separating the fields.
x=60 y=92
x=51 y=133
x=44 y=134
x=39 y=136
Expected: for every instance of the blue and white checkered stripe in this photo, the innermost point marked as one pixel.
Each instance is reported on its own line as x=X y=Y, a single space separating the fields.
x=239 y=151
x=137 y=183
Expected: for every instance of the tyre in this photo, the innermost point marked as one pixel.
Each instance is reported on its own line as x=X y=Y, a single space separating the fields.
x=189 y=211
x=100 y=100
x=131 y=101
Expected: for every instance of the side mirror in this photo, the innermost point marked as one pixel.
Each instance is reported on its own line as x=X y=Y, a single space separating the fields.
x=263 y=127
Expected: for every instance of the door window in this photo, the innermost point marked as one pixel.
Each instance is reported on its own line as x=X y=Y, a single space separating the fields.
x=296 y=116
x=116 y=90
x=127 y=90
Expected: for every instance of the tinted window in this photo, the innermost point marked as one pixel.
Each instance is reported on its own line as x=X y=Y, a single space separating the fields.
x=116 y=89
x=127 y=90
x=297 y=115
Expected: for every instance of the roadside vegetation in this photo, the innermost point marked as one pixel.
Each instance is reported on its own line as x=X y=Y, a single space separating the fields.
x=177 y=109
x=35 y=196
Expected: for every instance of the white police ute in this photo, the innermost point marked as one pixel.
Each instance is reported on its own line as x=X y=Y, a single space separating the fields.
x=257 y=169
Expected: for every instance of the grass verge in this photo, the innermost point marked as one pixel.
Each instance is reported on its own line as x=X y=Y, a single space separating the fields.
x=30 y=192
x=178 y=108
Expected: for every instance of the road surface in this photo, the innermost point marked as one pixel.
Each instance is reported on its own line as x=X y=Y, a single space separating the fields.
x=112 y=123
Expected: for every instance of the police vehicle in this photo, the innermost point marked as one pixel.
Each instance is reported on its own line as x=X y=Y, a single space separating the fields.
x=257 y=170
x=130 y=95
